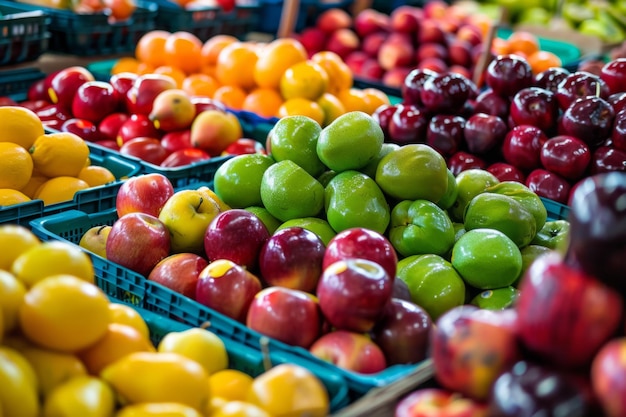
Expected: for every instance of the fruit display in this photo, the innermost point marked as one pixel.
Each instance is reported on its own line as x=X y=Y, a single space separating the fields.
x=116 y=10
x=491 y=362
x=66 y=349
x=548 y=130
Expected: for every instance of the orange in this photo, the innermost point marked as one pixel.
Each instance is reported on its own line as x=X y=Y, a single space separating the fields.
x=144 y=68
x=304 y=107
x=124 y=314
x=339 y=74
x=65 y=313
x=14 y=240
x=9 y=196
x=374 y=98
x=118 y=341
x=59 y=189
x=331 y=106
x=126 y=64
x=52 y=258
x=59 y=154
x=200 y=85
x=263 y=101
x=177 y=75
x=353 y=99
x=19 y=125
x=121 y=9
x=304 y=80
x=231 y=96
x=523 y=42
x=542 y=60
x=151 y=47
x=33 y=185
x=235 y=65
x=275 y=58
x=95 y=175
x=16 y=166
x=230 y=384
x=183 y=51
x=212 y=48
x=499 y=46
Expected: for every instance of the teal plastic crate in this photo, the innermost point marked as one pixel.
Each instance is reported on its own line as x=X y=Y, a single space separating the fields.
x=24 y=33
x=556 y=211
x=250 y=361
x=70 y=226
x=15 y=83
x=243 y=19
x=91 y=200
x=203 y=21
x=92 y=34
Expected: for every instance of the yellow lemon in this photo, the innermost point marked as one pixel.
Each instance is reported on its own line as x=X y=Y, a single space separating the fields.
x=158 y=410
x=16 y=166
x=59 y=154
x=18 y=396
x=9 y=197
x=124 y=314
x=19 y=125
x=14 y=240
x=60 y=189
x=201 y=345
x=230 y=384
x=81 y=396
x=52 y=258
x=95 y=175
x=240 y=409
x=12 y=293
x=52 y=368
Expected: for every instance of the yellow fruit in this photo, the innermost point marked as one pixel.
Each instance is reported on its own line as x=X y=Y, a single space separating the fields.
x=158 y=410
x=240 y=409
x=16 y=166
x=52 y=258
x=65 y=313
x=158 y=377
x=119 y=341
x=332 y=108
x=14 y=240
x=304 y=80
x=211 y=194
x=52 y=368
x=59 y=154
x=353 y=99
x=200 y=345
x=289 y=390
x=230 y=384
x=1 y=325
x=95 y=239
x=30 y=189
x=81 y=396
x=302 y=107
x=95 y=175
x=123 y=314
x=19 y=125
x=275 y=58
x=59 y=189
x=18 y=396
x=374 y=98
x=9 y=196
x=12 y=293
x=339 y=74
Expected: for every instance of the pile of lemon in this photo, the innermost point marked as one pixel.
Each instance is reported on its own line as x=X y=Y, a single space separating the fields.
x=67 y=350
x=50 y=167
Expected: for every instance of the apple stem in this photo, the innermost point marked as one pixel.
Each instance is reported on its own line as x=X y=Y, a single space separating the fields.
x=200 y=203
x=267 y=362
x=205 y=325
x=101 y=229
x=597 y=89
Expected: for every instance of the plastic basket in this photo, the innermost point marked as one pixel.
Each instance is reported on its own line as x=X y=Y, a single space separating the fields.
x=91 y=200
x=556 y=211
x=248 y=360
x=15 y=83
x=92 y=34
x=242 y=20
x=70 y=226
x=24 y=33
x=203 y=21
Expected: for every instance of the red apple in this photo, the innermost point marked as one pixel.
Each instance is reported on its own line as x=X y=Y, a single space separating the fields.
x=333 y=19
x=54 y=113
x=94 y=100
x=237 y=235
x=435 y=64
x=566 y=156
x=607 y=377
x=522 y=147
x=7 y=101
x=145 y=89
x=227 y=288
x=205 y=103
x=403 y=332
x=369 y=21
x=35 y=105
x=371 y=69
x=292 y=258
x=565 y=315
x=244 y=146
x=355 y=61
x=438 y=402
x=549 y=185
x=353 y=293
x=109 y=144
x=360 y=242
x=470 y=33
x=460 y=53
x=343 y=42
x=371 y=43
x=177 y=140
x=313 y=39
x=138 y=125
x=39 y=90
x=396 y=54
x=506 y=172
x=138 y=241
x=350 y=351
x=184 y=157
x=290 y=316
x=109 y=127
x=148 y=149
x=144 y=193
x=431 y=31
x=431 y=50
x=122 y=82
x=65 y=83
x=471 y=347
x=395 y=76
x=179 y=272
x=83 y=128
x=405 y=18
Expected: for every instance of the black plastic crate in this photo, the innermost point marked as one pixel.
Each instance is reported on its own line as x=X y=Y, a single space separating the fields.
x=24 y=33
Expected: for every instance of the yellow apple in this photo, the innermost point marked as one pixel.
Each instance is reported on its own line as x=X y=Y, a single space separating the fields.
x=201 y=345
x=95 y=240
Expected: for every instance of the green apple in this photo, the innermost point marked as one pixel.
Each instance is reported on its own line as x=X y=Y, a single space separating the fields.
x=535 y=15
x=433 y=283
x=487 y=259
x=413 y=172
x=266 y=217
x=497 y=299
x=314 y=224
x=529 y=254
x=187 y=214
x=289 y=192
x=95 y=240
x=370 y=169
x=554 y=235
x=352 y=199
x=470 y=183
x=295 y=138
x=420 y=227
x=451 y=194
x=350 y=142
x=237 y=182
x=525 y=196
x=503 y=213
x=326 y=176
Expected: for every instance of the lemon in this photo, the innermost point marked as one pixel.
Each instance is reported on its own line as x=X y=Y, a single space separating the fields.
x=14 y=240
x=60 y=189
x=124 y=314
x=9 y=197
x=81 y=396
x=16 y=166
x=59 y=154
x=19 y=125
x=12 y=293
x=201 y=345
x=158 y=410
x=18 y=396
x=52 y=368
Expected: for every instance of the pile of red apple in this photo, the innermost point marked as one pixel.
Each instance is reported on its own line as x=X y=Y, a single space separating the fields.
x=560 y=350
x=118 y=114
x=548 y=131
x=340 y=301
x=385 y=48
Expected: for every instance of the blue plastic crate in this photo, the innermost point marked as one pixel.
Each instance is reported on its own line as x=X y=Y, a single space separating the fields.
x=91 y=200
x=24 y=33
x=203 y=21
x=70 y=226
x=556 y=211
x=15 y=83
